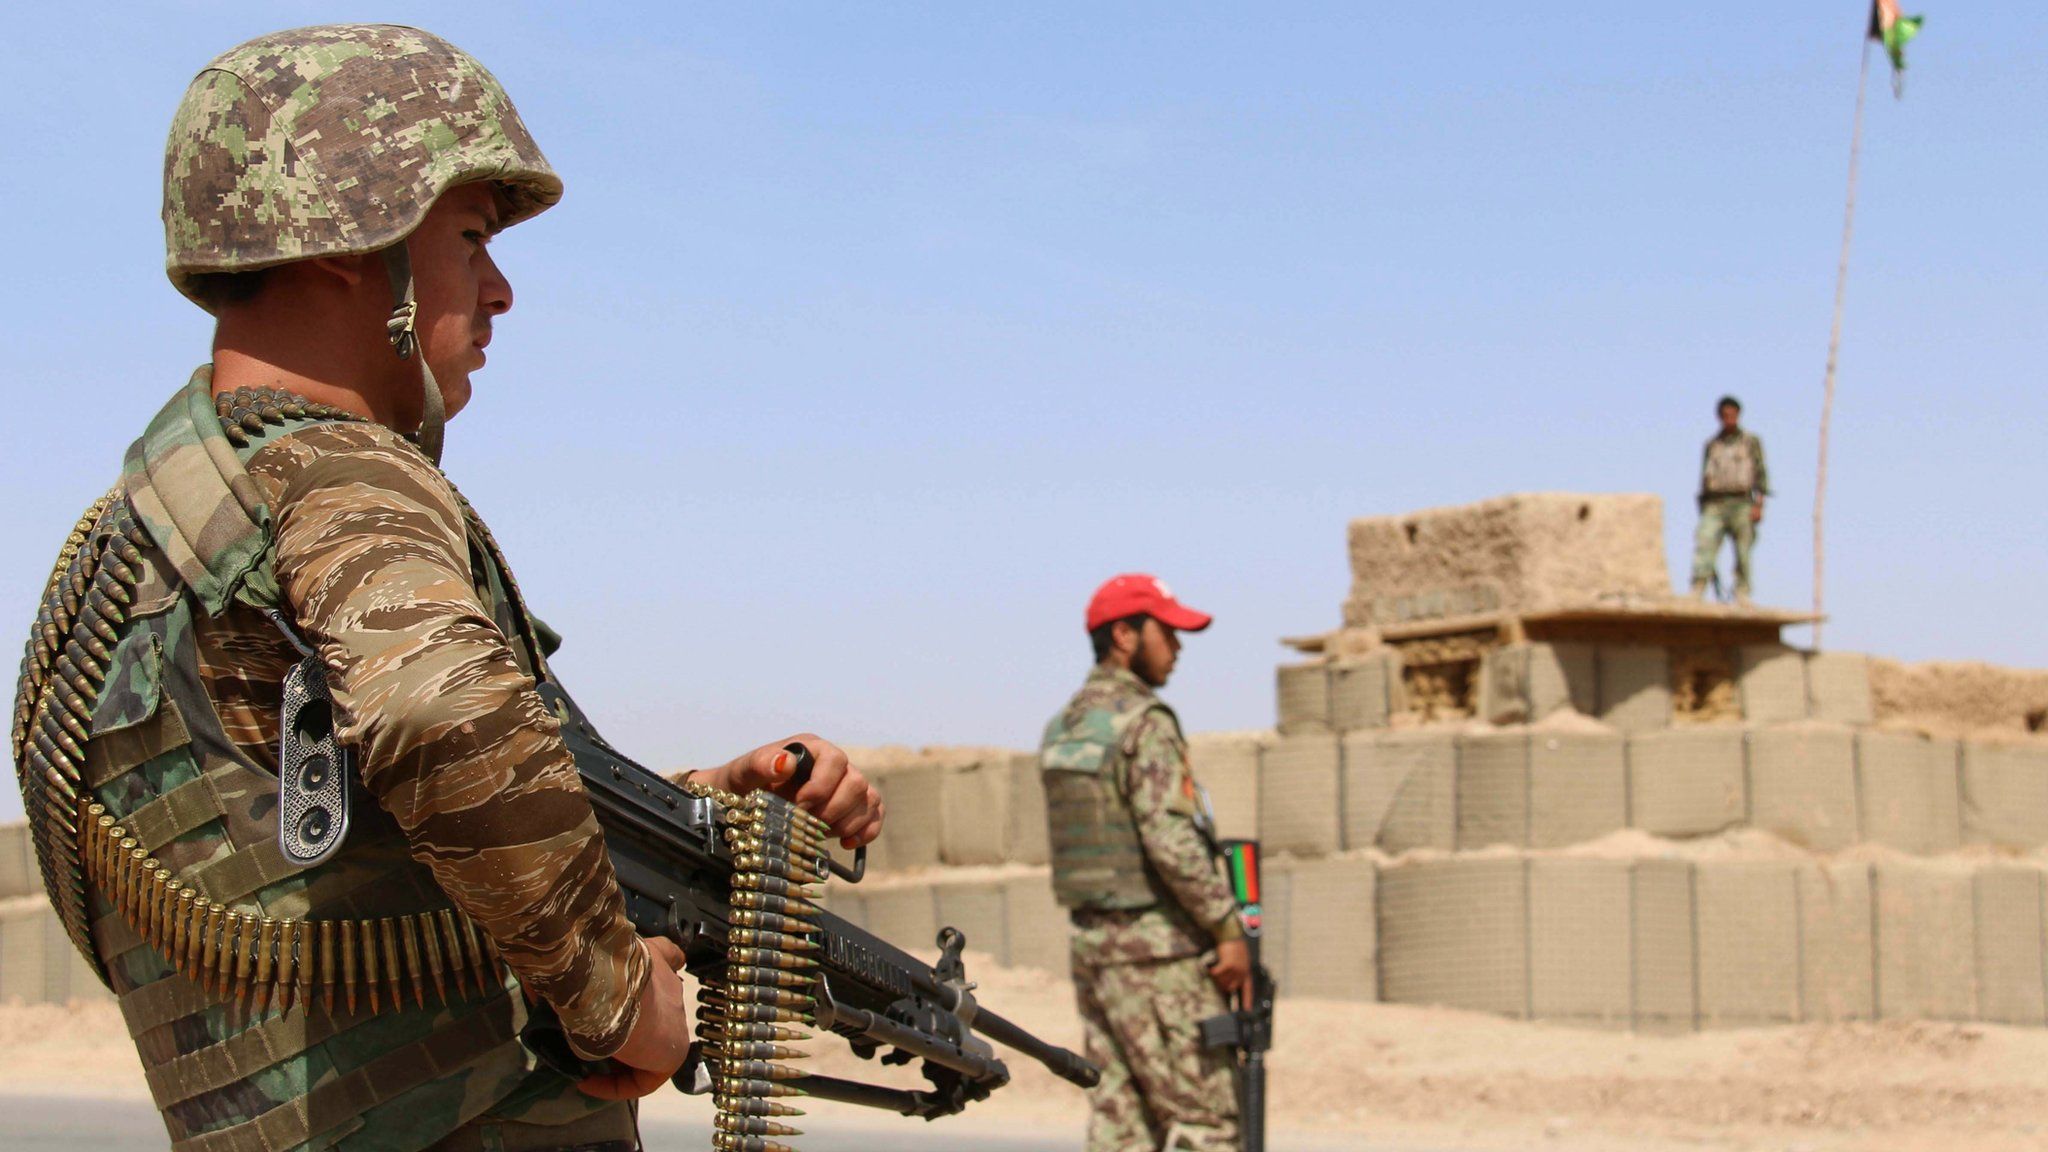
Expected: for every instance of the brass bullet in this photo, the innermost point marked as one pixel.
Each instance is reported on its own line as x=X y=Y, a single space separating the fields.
x=794 y=871
x=409 y=940
x=368 y=933
x=761 y=1050
x=769 y=922
x=772 y=886
x=755 y=1106
x=742 y=975
x=755 y=1126
x=481 y=954
x=768 y=958
x=266 y=941
x=762 y=1070
x=780 y=941
x=761 y=1033
x=779 y=905
x=210 y=948
x=124 y=874
x=163 y=898
x=727 y=1142
x=195 y=940
x=431 y=939
x=327 y=962
x=245 y=957
x=388 y=936
x=288 y=933
x=348 y=963
x=757 y=1089
x=182 y=933
x=773 y=997
x=766 y=1014
x=456 y=962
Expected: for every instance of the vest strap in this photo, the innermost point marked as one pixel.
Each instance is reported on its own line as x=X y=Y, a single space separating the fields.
x=168 y=1000
x=190 y=805
x=226 y=879
x=259 y=1046
x=346 y=1097
x=112 y=755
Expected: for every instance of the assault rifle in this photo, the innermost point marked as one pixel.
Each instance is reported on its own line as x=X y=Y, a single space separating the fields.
x=1247 y=1031
x=723 y=877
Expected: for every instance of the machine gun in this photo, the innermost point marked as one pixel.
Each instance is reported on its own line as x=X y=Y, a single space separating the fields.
x=1247 y=1030
x=728 y=879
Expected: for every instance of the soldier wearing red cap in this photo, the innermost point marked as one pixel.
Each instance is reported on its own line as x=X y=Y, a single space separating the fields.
x=1131 y=861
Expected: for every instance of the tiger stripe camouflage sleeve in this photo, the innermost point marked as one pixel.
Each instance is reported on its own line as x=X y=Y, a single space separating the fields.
x=373 y=559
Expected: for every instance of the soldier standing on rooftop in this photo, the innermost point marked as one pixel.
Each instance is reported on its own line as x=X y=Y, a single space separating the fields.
x=1133 y=864
x=330 y=197
x=1733 y=485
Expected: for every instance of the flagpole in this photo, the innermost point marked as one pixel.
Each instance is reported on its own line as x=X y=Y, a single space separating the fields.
x=1827 y=404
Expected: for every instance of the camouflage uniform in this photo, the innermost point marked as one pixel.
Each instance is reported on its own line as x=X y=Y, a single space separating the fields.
x=150 y=694
x=1732 y=481
x=1139 y=974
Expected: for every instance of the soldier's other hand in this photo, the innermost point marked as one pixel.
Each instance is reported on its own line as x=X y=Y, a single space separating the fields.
x=836 y=791
x=660 y=1037
x=1232 y=970
x=1756 y=512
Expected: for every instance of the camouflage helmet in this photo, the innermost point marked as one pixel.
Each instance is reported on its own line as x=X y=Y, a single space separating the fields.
x=335 y=140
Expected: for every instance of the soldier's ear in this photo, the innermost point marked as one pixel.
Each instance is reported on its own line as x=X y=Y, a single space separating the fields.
x=1124 y=635
x=350 y=270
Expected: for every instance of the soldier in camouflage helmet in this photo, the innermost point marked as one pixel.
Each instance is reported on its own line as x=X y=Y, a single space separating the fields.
x=329 y=195
x=1733 y=484
x=1132 y=862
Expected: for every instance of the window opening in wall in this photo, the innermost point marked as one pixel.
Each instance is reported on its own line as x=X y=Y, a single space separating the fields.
x=1703 y=686
x=1440 y=674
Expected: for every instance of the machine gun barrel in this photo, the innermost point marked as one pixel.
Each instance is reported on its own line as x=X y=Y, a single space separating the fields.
x=1061 y=1062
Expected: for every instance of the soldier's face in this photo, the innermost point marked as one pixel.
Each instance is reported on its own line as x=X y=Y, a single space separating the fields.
x=458 y=285
x=1731 y=417
x=1158 y=650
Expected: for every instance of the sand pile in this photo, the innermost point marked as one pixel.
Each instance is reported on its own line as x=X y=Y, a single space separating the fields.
x=1439 y=1078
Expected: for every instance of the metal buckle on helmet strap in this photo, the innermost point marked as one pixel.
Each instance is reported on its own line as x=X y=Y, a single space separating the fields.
x=403 y=332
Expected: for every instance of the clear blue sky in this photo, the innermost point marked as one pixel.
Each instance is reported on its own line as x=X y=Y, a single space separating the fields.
x=869 y=338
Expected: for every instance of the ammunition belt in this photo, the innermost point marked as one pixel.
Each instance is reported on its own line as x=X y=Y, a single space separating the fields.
x=230 y=953
x=751 y=1013
x=283 y=960
x=61 y=672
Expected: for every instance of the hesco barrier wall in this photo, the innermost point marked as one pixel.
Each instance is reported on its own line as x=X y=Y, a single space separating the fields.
x=1626 y=686
x=1902 y=877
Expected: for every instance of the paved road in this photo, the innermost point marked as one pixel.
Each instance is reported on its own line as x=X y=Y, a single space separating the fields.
x=57 y=1124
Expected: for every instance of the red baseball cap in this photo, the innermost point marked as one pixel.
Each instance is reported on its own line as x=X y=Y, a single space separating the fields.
x=1135 y=592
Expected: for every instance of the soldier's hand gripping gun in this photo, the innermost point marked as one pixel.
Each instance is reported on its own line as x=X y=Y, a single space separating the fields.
x=1248 y=1028
x=728 y=879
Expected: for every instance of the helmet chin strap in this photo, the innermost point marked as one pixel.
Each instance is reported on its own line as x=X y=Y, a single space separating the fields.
x=405 y=340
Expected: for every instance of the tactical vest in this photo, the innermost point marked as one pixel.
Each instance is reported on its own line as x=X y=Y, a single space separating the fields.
x=1731 y=466
x=1098 y=861
x=273 y=1006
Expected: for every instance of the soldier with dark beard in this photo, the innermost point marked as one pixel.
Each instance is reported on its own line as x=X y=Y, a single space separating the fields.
x=1134 y=865
x=330 y=197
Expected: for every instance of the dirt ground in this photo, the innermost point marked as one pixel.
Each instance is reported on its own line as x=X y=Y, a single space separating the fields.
x=1426 y=1078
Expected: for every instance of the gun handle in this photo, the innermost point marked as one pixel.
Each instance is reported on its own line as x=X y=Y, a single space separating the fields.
x=797 y=779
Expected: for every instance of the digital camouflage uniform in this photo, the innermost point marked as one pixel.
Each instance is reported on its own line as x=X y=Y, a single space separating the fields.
x=1732 y=481
x=372 y=1001
x=1147 y=900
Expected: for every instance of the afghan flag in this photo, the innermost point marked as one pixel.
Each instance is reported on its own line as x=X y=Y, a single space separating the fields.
x=1894 y=31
